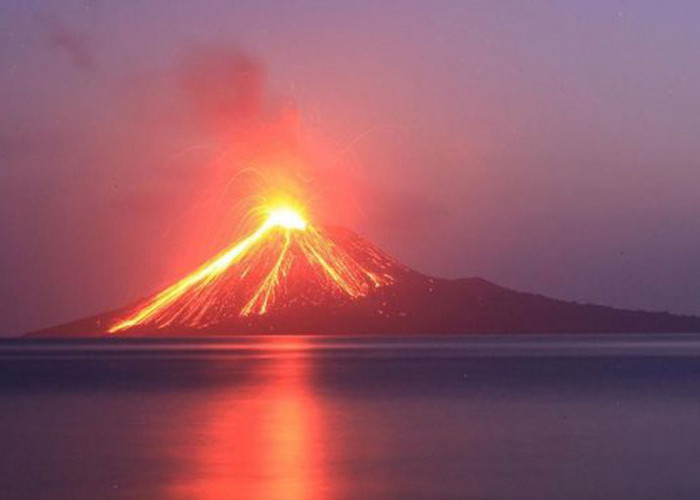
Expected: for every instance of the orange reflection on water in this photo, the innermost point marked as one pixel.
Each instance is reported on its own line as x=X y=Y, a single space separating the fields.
x=264 y=440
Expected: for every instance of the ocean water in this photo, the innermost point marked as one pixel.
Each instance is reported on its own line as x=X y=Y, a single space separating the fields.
x=497 y=417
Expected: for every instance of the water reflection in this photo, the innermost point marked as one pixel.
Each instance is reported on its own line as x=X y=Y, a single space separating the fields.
x=265 y=440
x=280 y=418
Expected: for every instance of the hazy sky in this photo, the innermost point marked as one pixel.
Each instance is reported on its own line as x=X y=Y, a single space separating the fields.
x=549 y=146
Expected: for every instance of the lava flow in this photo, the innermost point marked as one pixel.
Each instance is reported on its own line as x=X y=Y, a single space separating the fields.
x=286 y=262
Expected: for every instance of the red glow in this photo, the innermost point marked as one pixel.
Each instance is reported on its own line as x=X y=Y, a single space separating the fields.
x=265 y=442
x=286 y=260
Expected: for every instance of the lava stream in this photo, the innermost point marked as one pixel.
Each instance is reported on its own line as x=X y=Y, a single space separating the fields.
x=285 y=261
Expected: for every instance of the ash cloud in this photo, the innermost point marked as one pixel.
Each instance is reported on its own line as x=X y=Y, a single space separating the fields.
x=257 y=135
x=225 y=87
x=76 y=45
x=227 y=93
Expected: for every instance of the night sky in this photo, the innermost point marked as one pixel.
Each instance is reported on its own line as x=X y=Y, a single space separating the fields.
x=548 y=146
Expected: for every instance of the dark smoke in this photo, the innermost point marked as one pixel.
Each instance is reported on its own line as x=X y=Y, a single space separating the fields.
x=76 y=45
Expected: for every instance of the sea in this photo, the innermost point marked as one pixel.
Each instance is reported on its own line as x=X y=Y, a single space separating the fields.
x=305 y=417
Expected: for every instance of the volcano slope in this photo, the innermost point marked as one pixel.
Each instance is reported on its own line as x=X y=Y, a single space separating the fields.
x=292 y=278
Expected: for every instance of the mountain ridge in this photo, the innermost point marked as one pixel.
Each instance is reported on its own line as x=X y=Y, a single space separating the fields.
x=367 y=292
x=494 y=299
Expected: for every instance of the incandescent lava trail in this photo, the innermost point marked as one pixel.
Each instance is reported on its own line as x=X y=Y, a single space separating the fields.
x=286 y=262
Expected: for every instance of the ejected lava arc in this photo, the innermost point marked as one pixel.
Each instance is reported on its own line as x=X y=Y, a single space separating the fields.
x=286 y=262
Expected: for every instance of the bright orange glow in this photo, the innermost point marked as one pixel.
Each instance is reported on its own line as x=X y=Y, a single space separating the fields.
x=287 y=218
x=286 y=260
x=266 y=441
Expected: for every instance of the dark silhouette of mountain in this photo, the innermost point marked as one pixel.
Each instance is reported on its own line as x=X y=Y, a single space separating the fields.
x=281 y=287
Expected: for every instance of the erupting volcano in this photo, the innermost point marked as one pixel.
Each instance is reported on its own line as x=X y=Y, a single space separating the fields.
x=286 y=262
x=289 y=276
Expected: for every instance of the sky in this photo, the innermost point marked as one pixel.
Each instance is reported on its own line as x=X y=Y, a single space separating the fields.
x=548 y=146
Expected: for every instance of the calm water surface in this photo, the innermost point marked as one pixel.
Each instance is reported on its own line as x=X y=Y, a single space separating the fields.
x=519 y=417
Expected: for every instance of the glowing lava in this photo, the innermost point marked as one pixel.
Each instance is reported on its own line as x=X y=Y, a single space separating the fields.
x=286 y=217
x=286 y=262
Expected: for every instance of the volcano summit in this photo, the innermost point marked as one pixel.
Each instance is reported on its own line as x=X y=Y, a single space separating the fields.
x=290 y=276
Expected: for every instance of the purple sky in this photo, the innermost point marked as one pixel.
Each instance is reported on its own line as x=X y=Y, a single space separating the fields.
x=549 y=146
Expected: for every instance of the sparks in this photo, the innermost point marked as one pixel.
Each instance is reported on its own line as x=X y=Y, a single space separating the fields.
x=284 y=259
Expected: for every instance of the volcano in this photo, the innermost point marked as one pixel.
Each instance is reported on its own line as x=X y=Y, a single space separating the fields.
x=286 y=264
x=291 y=277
